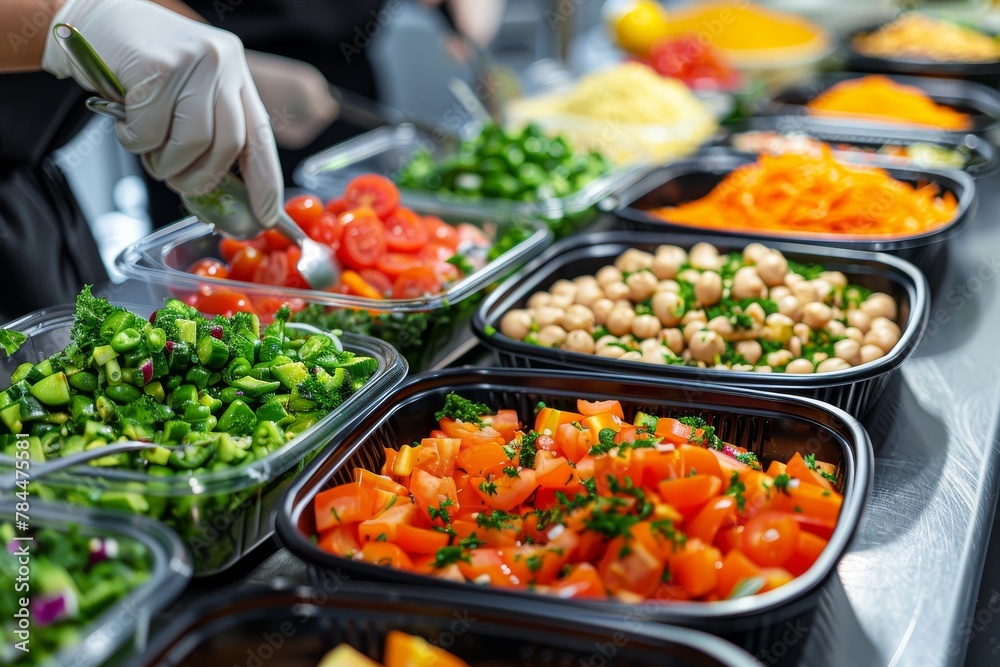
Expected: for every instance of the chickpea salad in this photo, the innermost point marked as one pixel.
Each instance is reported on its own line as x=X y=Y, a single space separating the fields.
x=751 y=311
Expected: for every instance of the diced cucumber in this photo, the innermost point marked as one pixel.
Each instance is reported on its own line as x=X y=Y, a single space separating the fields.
x=187 y=330
x=52 y=389
x=253 y=387
x=291 y=375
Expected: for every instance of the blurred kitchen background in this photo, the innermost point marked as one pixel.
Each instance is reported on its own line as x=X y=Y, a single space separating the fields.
x=535 y=41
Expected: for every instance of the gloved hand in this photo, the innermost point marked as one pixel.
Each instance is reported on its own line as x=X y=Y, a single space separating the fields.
x=296 y=96
x=192 y=109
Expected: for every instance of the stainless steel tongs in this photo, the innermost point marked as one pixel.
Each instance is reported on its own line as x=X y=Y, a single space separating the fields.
x=227 y=206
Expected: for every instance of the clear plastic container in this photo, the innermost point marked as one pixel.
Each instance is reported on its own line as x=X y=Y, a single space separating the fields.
x=361 y=615
x=127 y=622
x=162 y=259
x=388 y=149
x=220 y=515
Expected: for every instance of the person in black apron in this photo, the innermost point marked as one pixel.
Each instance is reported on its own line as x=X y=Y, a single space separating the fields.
x=191 y=111
x=47 y=251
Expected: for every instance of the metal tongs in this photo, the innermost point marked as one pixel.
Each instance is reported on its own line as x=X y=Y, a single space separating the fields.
x=227 y=207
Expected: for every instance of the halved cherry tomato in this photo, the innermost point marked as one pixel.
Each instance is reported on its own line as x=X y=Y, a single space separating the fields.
x=293 y=278
x=770 y=539
x=469 y=234
x=378 y=280
x=420 y=540
x=275 y=240
x=326 y=230
x=223 y=302
x=363 y=241
x=429 y=492
x=440 y=231
x=272 y=270
x=433 y=253
x=336 y=206
x=245 y=263
x=306 y=210
x=807 y=551
x=718 y=513
x=229 y=247
x=798 y=469
x=404 y=232
x=483 y=459
x=394 y=263
x=208 y=267
x=373 y=191
x=415 y=283
x=386 y=523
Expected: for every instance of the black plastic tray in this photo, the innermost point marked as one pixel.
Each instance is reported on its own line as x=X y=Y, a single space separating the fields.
x=987 y=72
x=296 y=626
x=770 y=425
x=695 y=177
x=854 y=390
x=983 y=160
x=977 y=100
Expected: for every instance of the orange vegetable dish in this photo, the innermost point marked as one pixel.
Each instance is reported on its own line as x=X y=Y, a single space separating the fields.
x=881 y=98
x=795 y=193
x=584 y=505
x=401 y=650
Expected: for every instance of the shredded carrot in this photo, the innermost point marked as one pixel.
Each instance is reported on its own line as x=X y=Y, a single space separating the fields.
x=795 y=193
x=882 y=98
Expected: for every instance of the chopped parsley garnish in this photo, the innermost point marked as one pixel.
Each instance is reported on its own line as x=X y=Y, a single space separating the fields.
x=665 y=529
x=336 y=514
x=497 y=520
x=807 y=271
x=441 y=511
x=534 y=562
x=381 y=538
x=736 y=490
x=707 y=436
x=528 y=451
x=539 y=406
x=811 y=464
x=446 y=556
x=489 y=488
x=471 y=542
x=781 y=483
x=463 y=410
x=748 y=458
x=606 y=442
x=511 y=471
x=462 y=263
x=600 y=332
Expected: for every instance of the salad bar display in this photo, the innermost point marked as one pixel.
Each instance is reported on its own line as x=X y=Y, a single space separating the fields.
x=730 y=422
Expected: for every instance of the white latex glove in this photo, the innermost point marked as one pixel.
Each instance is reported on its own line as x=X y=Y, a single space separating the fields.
x=296 y=96
x=192 y=109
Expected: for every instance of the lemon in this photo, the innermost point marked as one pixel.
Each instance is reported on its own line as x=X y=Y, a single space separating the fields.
x=638 y=24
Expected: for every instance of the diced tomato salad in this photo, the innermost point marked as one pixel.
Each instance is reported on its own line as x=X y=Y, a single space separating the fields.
x=584 y=504
x=385 y=251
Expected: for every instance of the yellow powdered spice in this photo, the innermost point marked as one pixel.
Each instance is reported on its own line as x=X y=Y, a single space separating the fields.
x=745 y=28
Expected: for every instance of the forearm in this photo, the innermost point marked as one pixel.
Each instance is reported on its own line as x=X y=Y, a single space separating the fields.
x=24 y=26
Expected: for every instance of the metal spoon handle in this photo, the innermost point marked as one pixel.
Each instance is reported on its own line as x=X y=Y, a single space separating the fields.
x=9 y=482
